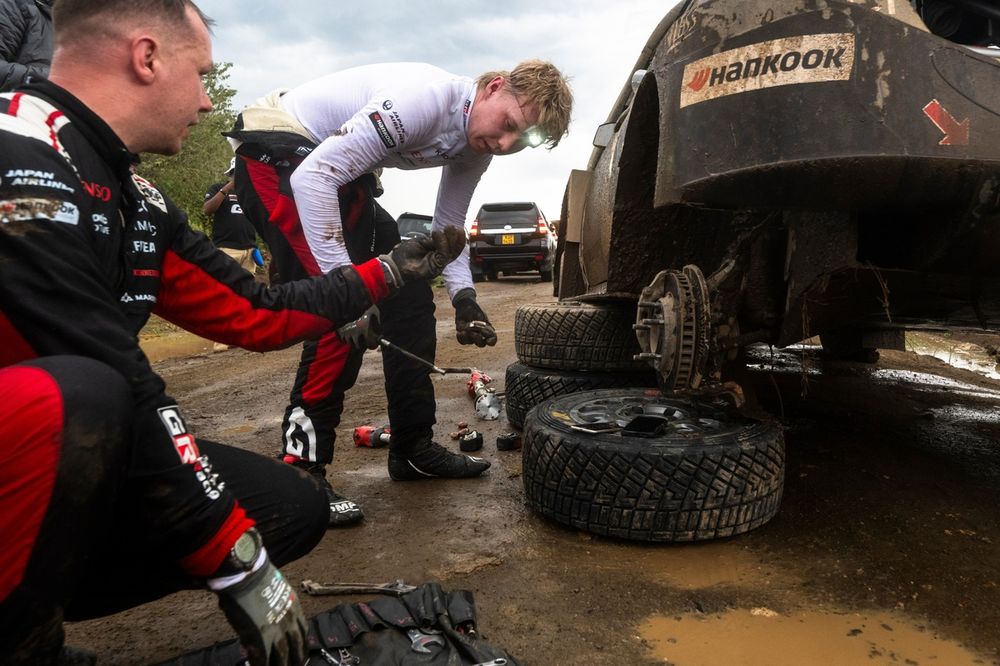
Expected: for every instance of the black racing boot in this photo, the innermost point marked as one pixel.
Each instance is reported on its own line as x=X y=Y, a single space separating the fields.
x=343 y=512
x=427 y=459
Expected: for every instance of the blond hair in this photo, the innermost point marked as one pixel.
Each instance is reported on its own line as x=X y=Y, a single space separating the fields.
x=539 y=82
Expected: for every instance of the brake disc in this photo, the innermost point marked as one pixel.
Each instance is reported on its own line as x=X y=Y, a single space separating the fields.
x=673 y=325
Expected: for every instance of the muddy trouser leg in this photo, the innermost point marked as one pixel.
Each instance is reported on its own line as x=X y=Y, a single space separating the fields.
x=308 y=429
x=288 y=505
x=327 y=368
x=408 y=321
x=64 y=428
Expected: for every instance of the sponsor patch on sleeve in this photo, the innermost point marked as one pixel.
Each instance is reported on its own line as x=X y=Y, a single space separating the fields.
x=187 y=448
x=381 y=129
x=25 y=209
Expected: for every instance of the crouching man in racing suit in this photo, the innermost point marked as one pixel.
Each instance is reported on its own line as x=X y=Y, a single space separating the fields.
x=305 y=182
x=106 y=500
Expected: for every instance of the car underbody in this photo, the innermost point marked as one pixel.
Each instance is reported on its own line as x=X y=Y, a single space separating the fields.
x=772 y=173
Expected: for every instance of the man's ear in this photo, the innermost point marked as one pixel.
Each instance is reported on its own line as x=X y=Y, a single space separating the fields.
x=496 y=85
x=144 y=60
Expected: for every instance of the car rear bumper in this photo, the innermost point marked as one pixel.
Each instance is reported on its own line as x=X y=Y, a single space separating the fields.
x=497 y=258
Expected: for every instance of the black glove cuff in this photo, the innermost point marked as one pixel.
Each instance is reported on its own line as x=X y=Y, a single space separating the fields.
x=464 y=294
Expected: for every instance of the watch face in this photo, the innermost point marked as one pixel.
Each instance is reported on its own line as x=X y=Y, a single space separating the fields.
x=245 y=549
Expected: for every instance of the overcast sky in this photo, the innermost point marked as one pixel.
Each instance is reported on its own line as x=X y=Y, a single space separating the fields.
x=282 y=43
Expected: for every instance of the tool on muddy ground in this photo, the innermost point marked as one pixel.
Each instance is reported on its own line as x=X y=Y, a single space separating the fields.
x=500 y=661
x=372 y=437
x=396 y=588
x=487 y=401
x=419 y=640
x=346 y=658
x=441 y=371
x=508 y=441
x=471 y=441
x=365 y=333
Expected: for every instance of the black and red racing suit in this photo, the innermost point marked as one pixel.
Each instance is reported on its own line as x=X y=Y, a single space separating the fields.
x=88 y=250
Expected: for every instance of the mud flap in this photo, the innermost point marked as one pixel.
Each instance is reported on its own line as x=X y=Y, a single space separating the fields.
x=374 y=633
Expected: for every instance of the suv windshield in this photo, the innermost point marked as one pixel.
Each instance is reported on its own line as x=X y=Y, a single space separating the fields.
x=412 y=224
x=516 y=215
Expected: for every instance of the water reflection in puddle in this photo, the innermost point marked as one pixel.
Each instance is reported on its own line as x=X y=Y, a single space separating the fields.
x=762 y=637
x=964 y=355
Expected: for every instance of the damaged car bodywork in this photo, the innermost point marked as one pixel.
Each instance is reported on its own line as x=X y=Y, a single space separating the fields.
x=780 y=170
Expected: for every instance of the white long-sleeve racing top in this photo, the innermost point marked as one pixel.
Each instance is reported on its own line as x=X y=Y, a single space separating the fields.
x=401 y=115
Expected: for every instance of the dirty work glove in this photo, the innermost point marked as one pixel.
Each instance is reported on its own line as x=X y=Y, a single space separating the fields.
x=265 y=612
x=364 y=332
x=422 y=258
x=472 y=326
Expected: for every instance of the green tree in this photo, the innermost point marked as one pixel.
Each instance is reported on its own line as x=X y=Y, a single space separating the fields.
x=205 y=156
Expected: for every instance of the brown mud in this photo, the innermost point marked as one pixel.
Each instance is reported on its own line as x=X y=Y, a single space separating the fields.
x=886 y=549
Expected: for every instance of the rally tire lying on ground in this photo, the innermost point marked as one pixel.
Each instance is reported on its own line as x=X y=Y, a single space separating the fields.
x=577 y=336
x=525 y=386
x=712 y=474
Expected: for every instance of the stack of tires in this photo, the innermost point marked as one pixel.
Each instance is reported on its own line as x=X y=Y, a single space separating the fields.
x=606 y=452
x=568 y=347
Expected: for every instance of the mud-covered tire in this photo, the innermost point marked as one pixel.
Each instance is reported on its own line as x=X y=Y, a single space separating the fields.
x=525 y=386
x=713 y=473
x=577 y=336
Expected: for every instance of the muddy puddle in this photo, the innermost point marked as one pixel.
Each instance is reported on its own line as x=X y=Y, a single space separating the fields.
x=176 y=345
x=763 y=637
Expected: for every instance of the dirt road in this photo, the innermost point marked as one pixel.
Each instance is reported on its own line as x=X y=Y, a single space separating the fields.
x=886 y=549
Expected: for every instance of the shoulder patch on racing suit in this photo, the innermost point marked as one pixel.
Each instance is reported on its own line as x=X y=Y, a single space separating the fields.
x=35 y=118
x=149 y=192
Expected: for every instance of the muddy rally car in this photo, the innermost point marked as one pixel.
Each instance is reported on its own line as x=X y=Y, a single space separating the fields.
x=773 y=171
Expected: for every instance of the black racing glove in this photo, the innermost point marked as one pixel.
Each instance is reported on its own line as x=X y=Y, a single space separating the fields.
x=472 y=326
x=265 y=612
x=422 y=258
x=364 y=332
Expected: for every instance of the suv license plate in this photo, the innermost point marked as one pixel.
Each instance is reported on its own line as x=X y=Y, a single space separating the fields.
x=507 y=239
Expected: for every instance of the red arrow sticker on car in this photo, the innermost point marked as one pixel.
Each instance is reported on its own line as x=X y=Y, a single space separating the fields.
x=955 y=133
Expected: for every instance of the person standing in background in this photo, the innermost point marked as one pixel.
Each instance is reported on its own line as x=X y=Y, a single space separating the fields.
x=25 y=41
x=231 y=230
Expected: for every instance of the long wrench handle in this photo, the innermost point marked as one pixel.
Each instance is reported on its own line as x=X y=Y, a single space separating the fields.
x=388 y=345
x=442 y=371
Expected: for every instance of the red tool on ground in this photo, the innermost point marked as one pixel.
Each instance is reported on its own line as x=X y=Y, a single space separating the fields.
x=372 y=437
x=487 y=402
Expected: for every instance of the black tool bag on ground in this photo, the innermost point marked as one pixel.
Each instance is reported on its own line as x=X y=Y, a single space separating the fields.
x=427 y=626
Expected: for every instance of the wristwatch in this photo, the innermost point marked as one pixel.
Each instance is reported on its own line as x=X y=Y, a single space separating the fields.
x=245 y=551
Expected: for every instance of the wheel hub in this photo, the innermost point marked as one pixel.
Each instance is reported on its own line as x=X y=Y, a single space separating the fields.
x=672 y=326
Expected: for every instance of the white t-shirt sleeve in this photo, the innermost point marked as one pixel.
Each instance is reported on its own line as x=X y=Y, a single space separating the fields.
x=458 y=182
x=359 y=146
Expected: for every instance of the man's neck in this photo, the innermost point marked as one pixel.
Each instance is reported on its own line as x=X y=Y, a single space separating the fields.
x=99 y=94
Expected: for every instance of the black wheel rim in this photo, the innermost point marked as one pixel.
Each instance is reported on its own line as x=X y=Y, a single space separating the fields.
x=683 y=417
